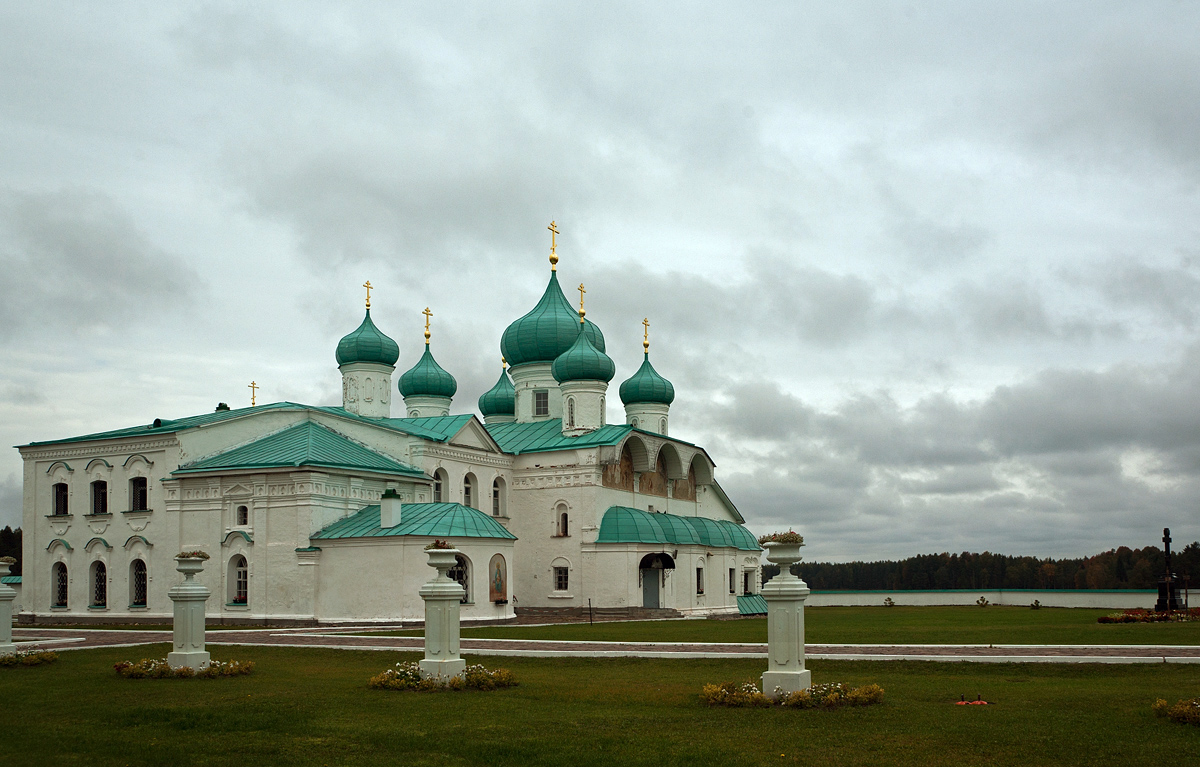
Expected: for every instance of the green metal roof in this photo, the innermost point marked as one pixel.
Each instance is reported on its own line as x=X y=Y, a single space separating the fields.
x=623 y=524
x=646 y=385
x=367 y=344
x=583 y=362
x=304 y=444
x=427 y=378
x=501 y=399
x=540 y=436
x=547 y=330
x=752 y=604
x=438 y=520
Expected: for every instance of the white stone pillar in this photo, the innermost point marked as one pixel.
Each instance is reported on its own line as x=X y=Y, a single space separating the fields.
x=785 y=595
x=190 y=598
x=7 y=595
x=442 y=596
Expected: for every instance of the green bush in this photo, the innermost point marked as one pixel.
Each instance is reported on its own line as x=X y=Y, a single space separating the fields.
x=830 y=695
x=733 y=694
x=28 y=658
x=1184 y=711
x=158 y=668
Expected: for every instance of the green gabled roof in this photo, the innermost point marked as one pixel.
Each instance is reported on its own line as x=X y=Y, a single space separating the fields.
x=547 y=330
x=623 y=524
x=501 y=399
x=427 y=378
x=540 y=436
x=367 y=343
x=752 y=604
x=166 y=426
x=583 y=362
x=646 y=385
x=304 y=444
x=437 y=520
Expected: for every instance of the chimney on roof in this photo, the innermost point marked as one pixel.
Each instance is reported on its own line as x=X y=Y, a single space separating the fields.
x=389 y=509
x=221 y=407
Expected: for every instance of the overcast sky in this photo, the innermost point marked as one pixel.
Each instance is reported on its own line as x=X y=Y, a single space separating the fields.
x=926 y=277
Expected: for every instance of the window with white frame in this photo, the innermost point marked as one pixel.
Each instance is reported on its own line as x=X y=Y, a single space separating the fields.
x=469 y=490
x=699 y=580
x=239 y=580
x=561 y=578
x=732 y=580
x=439 y=485
x=541 y=403
x=497 y=498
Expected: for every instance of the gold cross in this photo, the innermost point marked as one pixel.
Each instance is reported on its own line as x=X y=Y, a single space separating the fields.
x=367 y=285
x=253 y=387
x=646 y=337
x=581 y=311
x=427 y=314
x=553 y=246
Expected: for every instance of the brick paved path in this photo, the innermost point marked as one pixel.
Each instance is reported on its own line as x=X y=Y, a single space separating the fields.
x=71 y=639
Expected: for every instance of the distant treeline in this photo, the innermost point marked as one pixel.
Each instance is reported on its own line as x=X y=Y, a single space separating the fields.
x=1122 y=568
x=10 y=546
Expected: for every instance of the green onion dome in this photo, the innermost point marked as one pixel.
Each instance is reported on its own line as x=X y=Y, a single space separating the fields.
x=427 y=378
x=646 y=385
x=501 y=399
x=367 y=344
x=583 y=362
x=548 y=330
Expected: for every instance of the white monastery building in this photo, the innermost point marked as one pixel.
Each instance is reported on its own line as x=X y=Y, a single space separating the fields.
x=320 y=514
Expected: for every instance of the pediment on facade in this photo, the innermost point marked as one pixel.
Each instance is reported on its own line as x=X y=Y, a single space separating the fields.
x=239 y=489
x=474 y=435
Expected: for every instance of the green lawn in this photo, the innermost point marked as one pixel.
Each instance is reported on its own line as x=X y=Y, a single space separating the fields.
x=312 y=707
x=878 y=625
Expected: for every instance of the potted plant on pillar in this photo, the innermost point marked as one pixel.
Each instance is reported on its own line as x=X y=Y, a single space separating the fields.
x=783 y=549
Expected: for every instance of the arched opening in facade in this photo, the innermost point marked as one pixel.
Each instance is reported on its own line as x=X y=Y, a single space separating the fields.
x=243 y=516
x=469 y=492
x=570 y=412
x=99 y=497
x=499 y=502
x=498 y=580
x=60 y=581
x=562 y=521
x=99 y=583
x=137 y=583
x=652 y=574
x=461 y=572
x=655 y=482
x=238 y=581
x=440 y=479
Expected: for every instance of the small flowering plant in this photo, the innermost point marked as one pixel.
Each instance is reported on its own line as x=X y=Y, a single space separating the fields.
x=192 y=555
x=158 y=668
x=438 y=544
x=407 y=676
x=829 y=695
x=27 y=658
x=8 y=560
x=1184 y=712
x=791 y=536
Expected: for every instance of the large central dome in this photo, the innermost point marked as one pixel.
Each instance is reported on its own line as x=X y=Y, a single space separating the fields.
x=548 y=330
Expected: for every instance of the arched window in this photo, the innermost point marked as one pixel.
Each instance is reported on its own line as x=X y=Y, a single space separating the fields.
x=570 y=412
x=461 y=572
x=99 y=497
x=469 y=490
x=498 y=497
x=99 y=585
x=60 y=581
x=562 y=574
x=633 y=423
x=603 y=413
x=439 y=486
x=243 y=516
x=239 y=581
x=139 y=494
x=60 y=499
x=562 y=529
x=662 y=426
x=137 y=583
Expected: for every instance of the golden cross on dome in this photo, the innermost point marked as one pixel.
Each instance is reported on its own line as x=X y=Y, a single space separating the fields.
x=253 y=387
x=427 y=314
x=553 y=246
x=646 y=336
x=582 y=290
x=368 y=286
x=503 y=364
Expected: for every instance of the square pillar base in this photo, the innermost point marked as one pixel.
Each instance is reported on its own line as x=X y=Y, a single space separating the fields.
x=443 y=668
x=197 y=661
x=788 y=681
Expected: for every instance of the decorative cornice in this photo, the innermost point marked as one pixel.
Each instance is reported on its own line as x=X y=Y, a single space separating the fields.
x=107 y=447
x=465 y=455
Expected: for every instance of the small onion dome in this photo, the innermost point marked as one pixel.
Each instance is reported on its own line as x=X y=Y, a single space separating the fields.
x=646 y=385
x=427 y=378
x=367 y=344
x=583 y=362
x=548 y=330
x=501 y=399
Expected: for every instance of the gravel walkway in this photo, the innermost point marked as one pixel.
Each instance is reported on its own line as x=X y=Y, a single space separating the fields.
x=73 y=639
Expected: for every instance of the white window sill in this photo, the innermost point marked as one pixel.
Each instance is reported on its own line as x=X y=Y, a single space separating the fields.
x=559 y=595
x=237 y=608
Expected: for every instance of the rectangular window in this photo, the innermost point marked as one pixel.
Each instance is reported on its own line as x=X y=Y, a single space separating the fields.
x=699 y=580
x=746 y=582
x=495 y=501
x=541 y=403
x=437 y=489
x=99 y=497
x=60 y=499
x=732 y=581
x=139 y=494
x=560 y=579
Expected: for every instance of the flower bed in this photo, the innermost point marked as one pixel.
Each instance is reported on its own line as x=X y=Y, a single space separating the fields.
x=28 y=658
x=407 y=676
x=1149 y=616
x=791 y=536
x=830 y=695
x=1184 y=712
x=158 y=668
